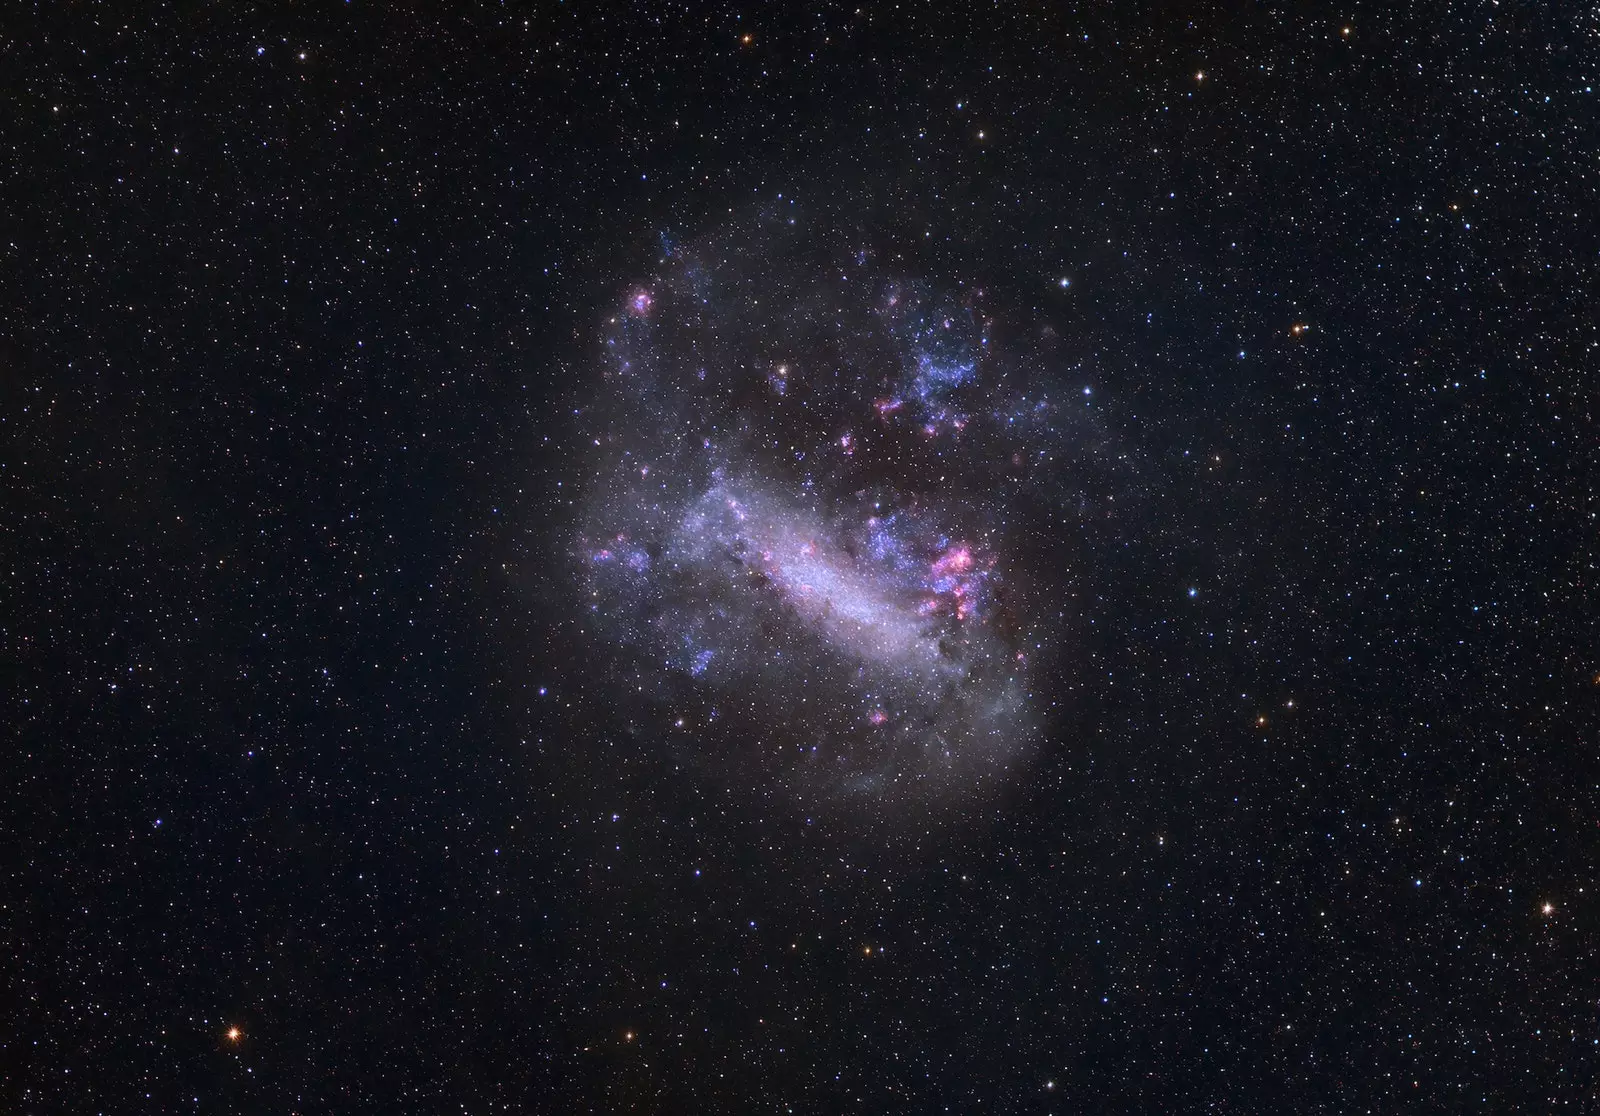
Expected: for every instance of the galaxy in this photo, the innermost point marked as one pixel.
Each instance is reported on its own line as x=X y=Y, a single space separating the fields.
x=812 y=477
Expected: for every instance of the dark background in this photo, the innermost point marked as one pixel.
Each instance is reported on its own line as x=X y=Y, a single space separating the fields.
x=297 y=303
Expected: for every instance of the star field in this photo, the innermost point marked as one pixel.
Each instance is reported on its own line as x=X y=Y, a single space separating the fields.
x=675 y=558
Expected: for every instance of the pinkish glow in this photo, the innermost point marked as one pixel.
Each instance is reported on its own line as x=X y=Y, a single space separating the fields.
x=957 y=559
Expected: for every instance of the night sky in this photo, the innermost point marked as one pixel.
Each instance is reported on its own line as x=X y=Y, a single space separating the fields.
x=1023 y=558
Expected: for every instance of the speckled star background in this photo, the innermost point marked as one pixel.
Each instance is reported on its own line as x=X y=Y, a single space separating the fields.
x=660 y=558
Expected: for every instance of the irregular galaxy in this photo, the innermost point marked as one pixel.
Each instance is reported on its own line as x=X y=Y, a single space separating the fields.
x=806 y=537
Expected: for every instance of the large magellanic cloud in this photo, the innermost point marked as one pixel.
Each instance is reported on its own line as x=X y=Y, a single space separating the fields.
x=825 y=528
